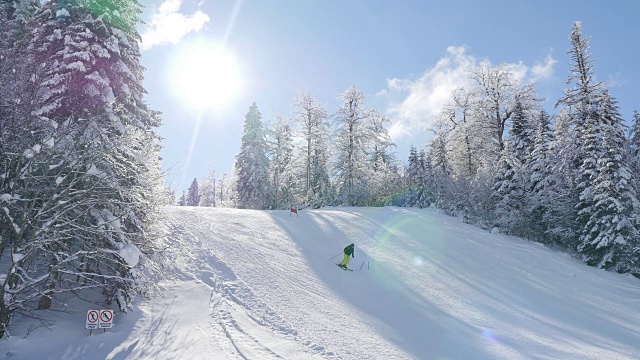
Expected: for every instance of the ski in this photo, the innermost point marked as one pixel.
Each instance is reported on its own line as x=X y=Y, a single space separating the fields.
x=344 y=268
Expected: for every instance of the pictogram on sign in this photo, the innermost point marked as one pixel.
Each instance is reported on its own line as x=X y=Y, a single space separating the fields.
x=106 y=319
x=92 y=319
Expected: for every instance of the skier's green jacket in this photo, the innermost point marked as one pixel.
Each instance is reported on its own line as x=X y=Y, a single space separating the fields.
x=348 y=253
x=349 y=250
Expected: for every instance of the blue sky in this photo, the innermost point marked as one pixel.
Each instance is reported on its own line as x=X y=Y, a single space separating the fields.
x=406 y=56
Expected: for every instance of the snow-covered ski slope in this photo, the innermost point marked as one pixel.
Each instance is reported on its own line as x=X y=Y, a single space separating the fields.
x=263 y=285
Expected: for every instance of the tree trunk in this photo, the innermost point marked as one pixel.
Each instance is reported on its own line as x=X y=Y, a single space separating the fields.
x=5 y=316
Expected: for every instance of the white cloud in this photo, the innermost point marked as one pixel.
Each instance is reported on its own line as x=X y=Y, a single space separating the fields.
x=615 y=80
x=423 y=98
x=544 y=70
x=519 y=71
x=414 y=104
x=169 y=26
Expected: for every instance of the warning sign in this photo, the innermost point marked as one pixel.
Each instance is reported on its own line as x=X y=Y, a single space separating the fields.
x=92 y=319
x=106 y=319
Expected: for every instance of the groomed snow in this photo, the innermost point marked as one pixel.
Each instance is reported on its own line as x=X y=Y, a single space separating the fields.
x=263 y=285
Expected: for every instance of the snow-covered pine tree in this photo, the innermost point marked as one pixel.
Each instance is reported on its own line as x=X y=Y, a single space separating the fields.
x=478 y=200
x=539 y=177
x=193 y=196
x=560 y=219
x=610 y=237
x=573 y=172
x=424 y=181
x=252 y=164
x=590 y=152
x=352 y=139
x=510 y=190
x=633 y=155
x=86 y=192
x=521 y=132
x=182 y=201
x=414 y=169
x=439 y=159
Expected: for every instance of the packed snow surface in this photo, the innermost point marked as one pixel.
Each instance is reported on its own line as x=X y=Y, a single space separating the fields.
x=249 y=284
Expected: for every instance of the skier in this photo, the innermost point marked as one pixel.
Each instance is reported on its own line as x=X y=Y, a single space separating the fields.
x=348 y=254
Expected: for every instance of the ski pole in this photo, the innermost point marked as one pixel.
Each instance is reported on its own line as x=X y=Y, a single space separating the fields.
x=361 y=265
x=335 y=256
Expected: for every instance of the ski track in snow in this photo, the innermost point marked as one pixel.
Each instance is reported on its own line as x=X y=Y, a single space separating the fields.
x=246 y=284
x=236 y=310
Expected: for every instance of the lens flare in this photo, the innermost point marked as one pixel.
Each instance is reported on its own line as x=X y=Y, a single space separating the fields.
x=401 y=241
x=488 y=335
x=418 y=262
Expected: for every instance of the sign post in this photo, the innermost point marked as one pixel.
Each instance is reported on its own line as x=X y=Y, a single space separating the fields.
x=106 y=319
x=92 y=320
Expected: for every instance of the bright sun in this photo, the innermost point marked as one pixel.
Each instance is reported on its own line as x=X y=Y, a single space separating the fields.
x=204 y=75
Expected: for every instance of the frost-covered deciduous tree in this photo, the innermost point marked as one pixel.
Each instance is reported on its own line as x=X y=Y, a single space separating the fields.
x=352 y=140
x=225 y=188
x=382 y=160
x=280 y=149
x=311 y=123
x=474 y=125
x=322 y=189
x=207 y=189
x=496 y=95
x=467 y=142
x=252 y=164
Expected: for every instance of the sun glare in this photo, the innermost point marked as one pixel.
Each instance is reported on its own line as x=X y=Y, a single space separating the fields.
x=204 y=75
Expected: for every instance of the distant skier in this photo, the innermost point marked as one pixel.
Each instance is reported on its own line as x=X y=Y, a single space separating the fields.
x=348 y=254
